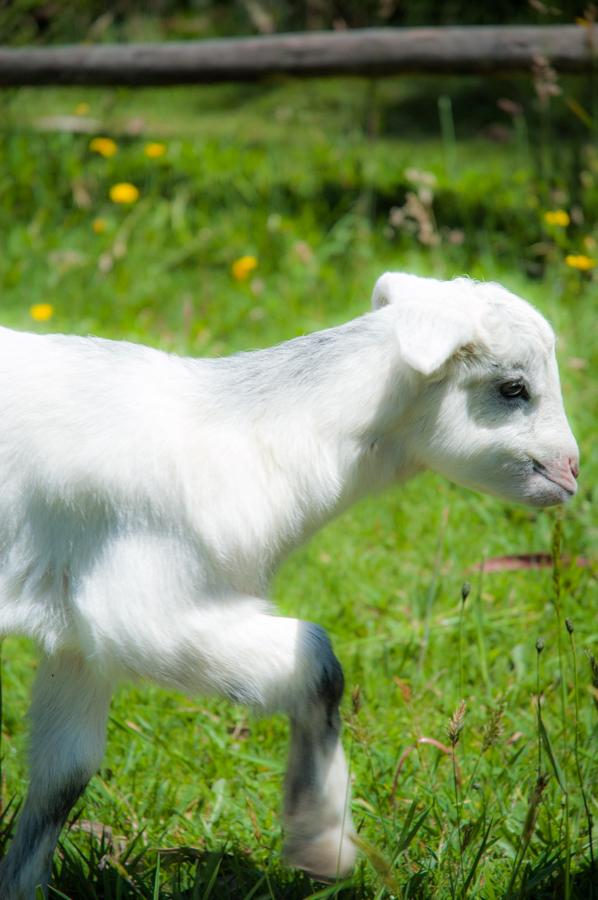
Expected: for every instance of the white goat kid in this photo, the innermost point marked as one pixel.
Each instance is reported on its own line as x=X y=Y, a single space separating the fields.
x=146 y=500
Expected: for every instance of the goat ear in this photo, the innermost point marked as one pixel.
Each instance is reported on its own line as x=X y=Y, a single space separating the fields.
x=431 y=324
x=427 y=341
x=391 y=287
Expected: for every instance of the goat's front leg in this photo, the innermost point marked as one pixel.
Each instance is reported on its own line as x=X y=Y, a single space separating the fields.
x=273 y=664
x=68 y=723
x=317 y=817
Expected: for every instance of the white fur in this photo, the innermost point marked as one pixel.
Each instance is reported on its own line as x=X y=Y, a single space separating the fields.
x=146 y=499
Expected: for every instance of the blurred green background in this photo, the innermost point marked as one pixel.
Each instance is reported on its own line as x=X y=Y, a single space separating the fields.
x=61 y=21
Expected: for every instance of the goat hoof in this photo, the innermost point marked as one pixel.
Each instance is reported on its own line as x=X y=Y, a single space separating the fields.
x=328 y=856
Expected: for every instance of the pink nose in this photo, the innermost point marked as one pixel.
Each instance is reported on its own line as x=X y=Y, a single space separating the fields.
x=563 y=471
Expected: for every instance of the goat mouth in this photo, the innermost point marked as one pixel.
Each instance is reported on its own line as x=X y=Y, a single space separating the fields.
x=557 y=477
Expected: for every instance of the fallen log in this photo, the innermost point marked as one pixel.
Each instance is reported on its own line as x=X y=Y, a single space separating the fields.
x=366 y=52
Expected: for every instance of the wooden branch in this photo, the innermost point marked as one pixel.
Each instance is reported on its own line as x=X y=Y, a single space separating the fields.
x=372 y=51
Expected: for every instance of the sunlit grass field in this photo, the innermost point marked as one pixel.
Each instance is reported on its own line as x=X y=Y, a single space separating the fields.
x=260 y=213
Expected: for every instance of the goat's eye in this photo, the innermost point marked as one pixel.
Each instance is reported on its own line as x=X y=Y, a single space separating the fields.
x=513 y=390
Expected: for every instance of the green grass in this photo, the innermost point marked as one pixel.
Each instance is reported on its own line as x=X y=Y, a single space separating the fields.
x=304 y=177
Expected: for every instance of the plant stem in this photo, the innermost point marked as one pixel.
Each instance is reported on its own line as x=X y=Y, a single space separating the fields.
x=557 y=539
x=577 y=760
x=447 y=129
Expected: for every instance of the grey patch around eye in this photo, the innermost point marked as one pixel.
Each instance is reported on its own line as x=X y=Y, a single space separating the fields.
x=514 y=389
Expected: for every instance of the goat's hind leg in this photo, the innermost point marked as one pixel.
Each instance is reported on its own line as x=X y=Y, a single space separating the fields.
x=68 y=724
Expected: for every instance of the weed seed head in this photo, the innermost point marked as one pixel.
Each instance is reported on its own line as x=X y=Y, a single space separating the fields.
x=569 y=625
x=594 y=670
x=494 y=727
x=465 y=591
x=532 y=809
x=539 y=645
x=545 y=80
x=456 y=724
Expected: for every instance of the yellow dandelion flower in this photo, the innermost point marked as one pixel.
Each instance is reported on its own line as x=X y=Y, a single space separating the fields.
x=106 y=147
x=99 y=226
x=243 y=267
x=41 y=312
x=580 y=261
x=154 y=150
x=124 y=193
x=557 y=217
x=81 y=109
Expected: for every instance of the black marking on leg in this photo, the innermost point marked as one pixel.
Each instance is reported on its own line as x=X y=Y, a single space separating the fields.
x=303 y=777
x=48 y=819
x=63 y=801
x=331 y=681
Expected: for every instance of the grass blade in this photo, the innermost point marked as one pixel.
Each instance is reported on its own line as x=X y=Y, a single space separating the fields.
x=550 y=753
x=480 y=851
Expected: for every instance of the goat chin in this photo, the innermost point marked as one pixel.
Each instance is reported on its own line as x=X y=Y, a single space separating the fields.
x=147 y=499
x=524 y=485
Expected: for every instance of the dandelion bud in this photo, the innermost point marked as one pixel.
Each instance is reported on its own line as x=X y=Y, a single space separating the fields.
x=465 y=591
x=539 y=645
